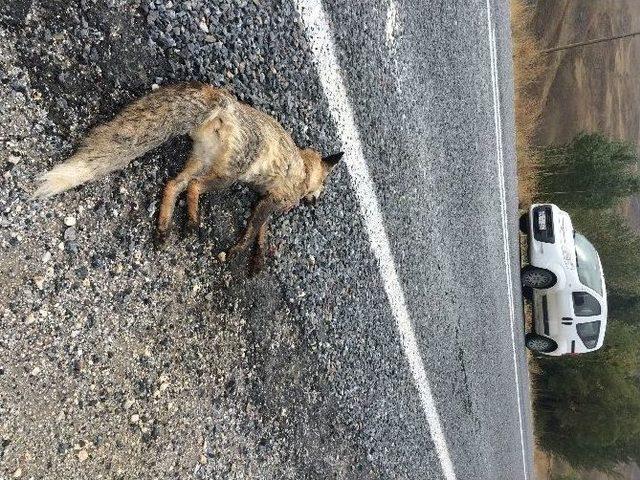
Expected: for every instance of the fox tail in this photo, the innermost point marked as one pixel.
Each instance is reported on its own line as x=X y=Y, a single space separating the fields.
x=138 y=128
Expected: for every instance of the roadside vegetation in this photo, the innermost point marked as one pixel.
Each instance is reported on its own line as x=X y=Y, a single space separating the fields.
x=528 y=70
x=587 y=408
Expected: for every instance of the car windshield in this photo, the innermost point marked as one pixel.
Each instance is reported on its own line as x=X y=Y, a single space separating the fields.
x=588 y=333
x=588 y=265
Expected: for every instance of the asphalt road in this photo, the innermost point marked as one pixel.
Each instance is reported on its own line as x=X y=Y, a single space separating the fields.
x=121 y=360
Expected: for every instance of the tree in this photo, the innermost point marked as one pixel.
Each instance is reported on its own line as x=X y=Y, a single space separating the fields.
x=589 y=172
x=588 y=407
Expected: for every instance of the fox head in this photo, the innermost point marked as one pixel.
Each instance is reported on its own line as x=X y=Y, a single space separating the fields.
x=318 y=169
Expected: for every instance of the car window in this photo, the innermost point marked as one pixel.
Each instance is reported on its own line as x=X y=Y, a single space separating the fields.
x=588 y=264
x=585 y=305
x=588 y=333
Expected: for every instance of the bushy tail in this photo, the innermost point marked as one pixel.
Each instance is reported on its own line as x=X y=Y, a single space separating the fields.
x=138 y=128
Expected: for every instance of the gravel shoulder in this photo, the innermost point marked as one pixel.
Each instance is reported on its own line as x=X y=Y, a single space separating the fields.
x=124 y=361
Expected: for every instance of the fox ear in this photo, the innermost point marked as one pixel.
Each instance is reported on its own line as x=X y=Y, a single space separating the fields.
x=332 y=159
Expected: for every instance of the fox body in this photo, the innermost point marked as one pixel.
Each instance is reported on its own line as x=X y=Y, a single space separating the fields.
x=231 y=142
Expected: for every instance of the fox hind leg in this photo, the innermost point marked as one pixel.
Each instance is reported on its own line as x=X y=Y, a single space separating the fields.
x=172 y=189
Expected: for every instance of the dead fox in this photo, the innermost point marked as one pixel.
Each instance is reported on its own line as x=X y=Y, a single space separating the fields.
x=232 y=142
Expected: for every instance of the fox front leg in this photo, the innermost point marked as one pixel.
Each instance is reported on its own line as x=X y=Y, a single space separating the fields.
x=196 y=187
x=259 y=217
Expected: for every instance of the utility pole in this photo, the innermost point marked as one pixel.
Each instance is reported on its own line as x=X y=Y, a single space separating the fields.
x=589 y=42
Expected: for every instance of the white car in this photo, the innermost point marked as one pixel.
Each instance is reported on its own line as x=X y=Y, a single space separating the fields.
x=565 y=282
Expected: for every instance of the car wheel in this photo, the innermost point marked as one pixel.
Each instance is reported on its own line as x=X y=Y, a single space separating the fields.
x=527 y=293
x=539 y=278
x=523 y=223
x=538 y=343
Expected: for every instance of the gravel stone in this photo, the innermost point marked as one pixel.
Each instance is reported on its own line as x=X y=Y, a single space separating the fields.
x=70 y=234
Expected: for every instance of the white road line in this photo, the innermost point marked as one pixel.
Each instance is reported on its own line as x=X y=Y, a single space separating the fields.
x=391 y=25
x=322 y=47
x=503 y=210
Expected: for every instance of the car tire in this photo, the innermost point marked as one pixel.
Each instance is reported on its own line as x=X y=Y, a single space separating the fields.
x=539 y=278
x=527 y=293
x=523 y=223
x=538 y=343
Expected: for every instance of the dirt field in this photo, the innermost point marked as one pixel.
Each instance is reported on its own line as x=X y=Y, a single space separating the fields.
x=593 y=87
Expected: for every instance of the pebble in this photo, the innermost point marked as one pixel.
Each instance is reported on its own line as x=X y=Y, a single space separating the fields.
x=83 y=455
x=70 y=234
x=17 y=473
x=14 y=159
x=35 y=371
x=46 y=257
x=70 y=221
x=135 y=418
x=222 y=256
x=39 y=281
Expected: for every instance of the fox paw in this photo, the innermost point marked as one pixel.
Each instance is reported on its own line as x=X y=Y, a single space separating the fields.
x=257 y=264
x=160 y=237
x=192 y=227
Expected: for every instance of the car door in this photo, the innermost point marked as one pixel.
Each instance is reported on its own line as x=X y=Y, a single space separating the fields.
x=553 y=307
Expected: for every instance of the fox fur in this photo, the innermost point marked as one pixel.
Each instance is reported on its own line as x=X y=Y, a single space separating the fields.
x=232 y=142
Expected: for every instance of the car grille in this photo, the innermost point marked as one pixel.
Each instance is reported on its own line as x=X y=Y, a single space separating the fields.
x=546 y=235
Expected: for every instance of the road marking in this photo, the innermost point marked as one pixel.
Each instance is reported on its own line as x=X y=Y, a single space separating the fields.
x=503 y=211
x=323 y=50
x=391 y=25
